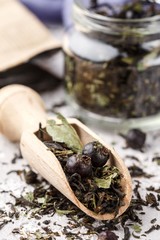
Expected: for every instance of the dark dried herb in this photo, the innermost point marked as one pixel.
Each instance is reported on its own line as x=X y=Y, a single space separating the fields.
x=132 y=157
x=3 y=220
x=135 y=236
x=18 y=172
x=152 y=189
x=128 y=10
x=156 y=159
x=153 y=220
x=16 y=156
x=151 y=200
x=127 y=233
x=138 y=196
x=154 y=227
x=136 y=171
x=25 y=202
x=3 y=224
x=16 y=230
x=13 y=211
x=46 y=222
x=30 y=177
x=70 y=235
x=97 y=87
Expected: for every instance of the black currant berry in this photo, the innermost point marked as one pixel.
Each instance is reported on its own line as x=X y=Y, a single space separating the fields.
x=135 y=138
x=85 y=166
x=97 y=152
x=72 y=164
x=80 y=164
x=106 y=235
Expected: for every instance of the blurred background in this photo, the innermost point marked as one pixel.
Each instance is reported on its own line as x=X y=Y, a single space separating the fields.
x=51 y=12
x=44 y=71
x=56 y=15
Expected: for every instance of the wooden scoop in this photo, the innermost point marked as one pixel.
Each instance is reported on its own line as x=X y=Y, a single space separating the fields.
x=21 y=111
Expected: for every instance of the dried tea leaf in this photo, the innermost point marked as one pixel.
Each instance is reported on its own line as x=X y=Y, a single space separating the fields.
x=148 y=59
x=137 y=228
x=151 y=200
x=63 y=212
x=64 y=133
x=156 y=159
x=128 y=60
x=41 y=200
x=29 y=196
x=105 y=182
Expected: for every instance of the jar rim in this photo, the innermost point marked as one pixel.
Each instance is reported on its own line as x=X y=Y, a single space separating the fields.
x=92 y=15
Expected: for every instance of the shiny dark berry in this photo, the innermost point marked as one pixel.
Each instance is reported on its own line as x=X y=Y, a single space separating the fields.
x=135 y=138
x=107 y=235
x=72 y=164
x=85 y=166
x=80 y=164
x=97 y=152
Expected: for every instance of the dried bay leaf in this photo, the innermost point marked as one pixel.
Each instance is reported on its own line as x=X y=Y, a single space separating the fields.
x=64 y=133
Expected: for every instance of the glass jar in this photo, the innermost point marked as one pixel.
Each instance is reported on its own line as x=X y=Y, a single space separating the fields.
x=112 y=68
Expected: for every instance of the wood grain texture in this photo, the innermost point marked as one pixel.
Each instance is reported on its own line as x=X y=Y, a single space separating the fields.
x=21 y=108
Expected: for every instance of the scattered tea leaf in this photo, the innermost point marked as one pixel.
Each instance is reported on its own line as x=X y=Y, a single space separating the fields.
x=137 y=228
x=154 y=227
x=156 y=159
x=63 y=212
x=29 y=197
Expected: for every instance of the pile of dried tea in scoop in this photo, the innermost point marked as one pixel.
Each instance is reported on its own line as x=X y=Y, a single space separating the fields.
x=96 y=184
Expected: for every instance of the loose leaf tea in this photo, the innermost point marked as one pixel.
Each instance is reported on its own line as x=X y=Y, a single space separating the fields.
x=122 y=79
x=96 y=184
x=18 y=213
x=107 y=88
x=130 y=9
x=108 y=177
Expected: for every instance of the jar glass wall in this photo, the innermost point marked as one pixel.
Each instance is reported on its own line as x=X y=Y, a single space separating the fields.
x=112 y=68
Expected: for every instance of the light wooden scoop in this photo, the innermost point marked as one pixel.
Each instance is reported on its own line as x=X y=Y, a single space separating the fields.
x=21 y=111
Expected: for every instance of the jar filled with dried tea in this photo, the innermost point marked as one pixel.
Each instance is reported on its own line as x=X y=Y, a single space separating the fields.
x=112 y=62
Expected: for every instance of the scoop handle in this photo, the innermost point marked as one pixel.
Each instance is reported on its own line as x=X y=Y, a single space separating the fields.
x=21 y=108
